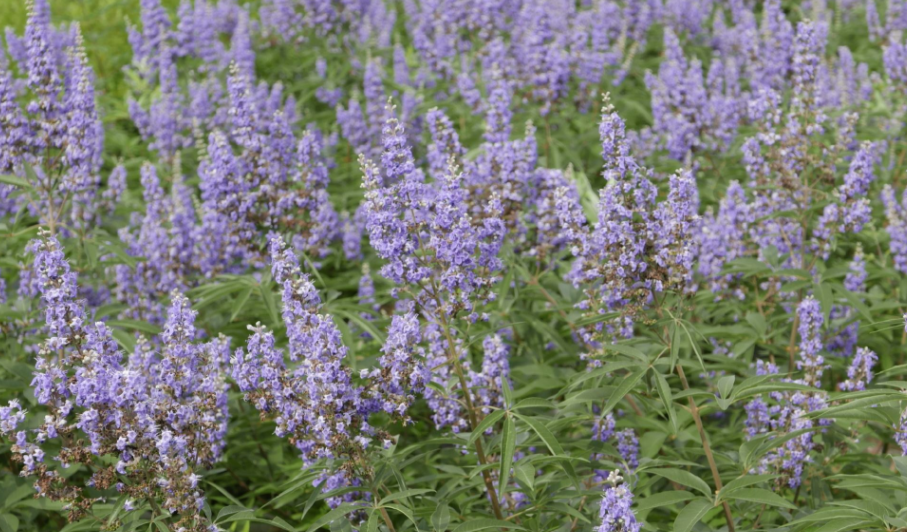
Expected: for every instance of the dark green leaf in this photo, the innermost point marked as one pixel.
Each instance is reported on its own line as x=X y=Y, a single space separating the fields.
x=691 y=514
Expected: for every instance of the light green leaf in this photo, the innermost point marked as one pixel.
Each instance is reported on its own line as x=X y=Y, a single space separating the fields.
x=16 y=181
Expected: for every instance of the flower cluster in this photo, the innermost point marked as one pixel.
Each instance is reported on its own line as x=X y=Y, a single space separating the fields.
x=615 y=512
x=509 y=252
x=314 y=400
x=144 y=425
x=859 y=374
x=275 y=182
x=603 y=430
x=55 y=142
x=788 y=412
x=435 y=250
x=167 y=238
x=639 y=246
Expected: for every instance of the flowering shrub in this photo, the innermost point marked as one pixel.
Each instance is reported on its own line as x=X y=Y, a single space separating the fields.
x=611 y=266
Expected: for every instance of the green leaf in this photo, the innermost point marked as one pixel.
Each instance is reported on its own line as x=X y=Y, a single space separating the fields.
x=126 y=340
x=691 y=514
x=745 y=481
x=440 y=519
x=553 y=445
x=10 y=498
x=533 y=402
x=684 y=478
x=508 y=444
x=664 y=391
x=141 y=326
x=249 y=517
x=485 y=524
x=9 y=523
x=119 y=251
x=855 y=405
x=341 y=525
x=16 y=181
x=725 y=385
x=838 y=525
x=328 y=518
x=627 y=349
x=586 y=396
x=525 y=473
x=665 y=498
x=396 y=496
x=373 y=521
x=240 y=302
x=761 y=496
x=855 y=302
x=757 y=321
x=270 y=303
x=406 y=512
x=869 y=506
x=508 y=393
x=543 y=433
x=486 y=423
x=227 y=511
x=281 y=524
x=623 y=389
x=825 y=297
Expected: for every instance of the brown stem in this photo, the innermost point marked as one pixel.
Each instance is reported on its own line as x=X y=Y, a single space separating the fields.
x=473 y=421
x=535 y=282
x=633 y=405
x=706 y=448
x=387 y=519
x=154 y=507
x=582 y=503
x=758 y=517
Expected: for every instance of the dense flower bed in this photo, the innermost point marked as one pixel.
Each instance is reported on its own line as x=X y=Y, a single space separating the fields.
x=466 y=265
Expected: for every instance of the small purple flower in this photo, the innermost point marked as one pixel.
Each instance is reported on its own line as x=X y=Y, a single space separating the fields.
x=615 y=512
x=628 y=447
x=859 y=374
x=811 y=321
